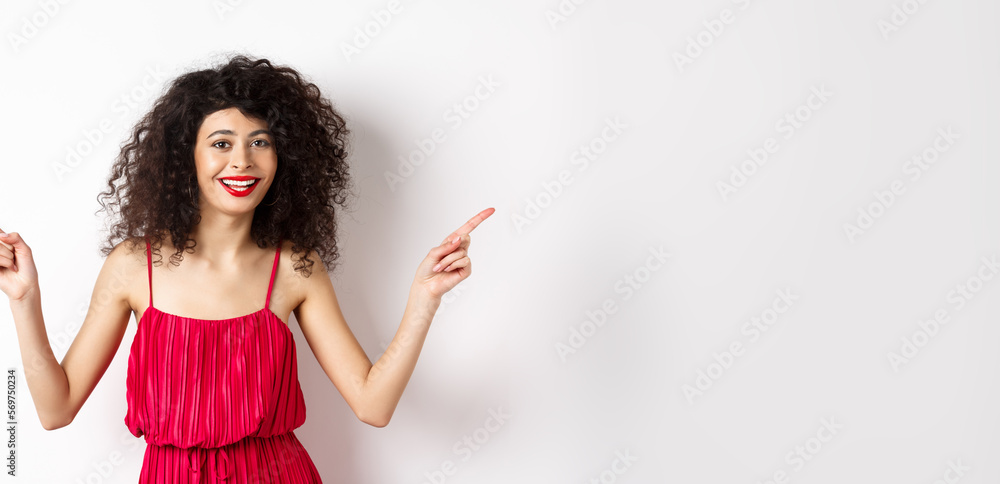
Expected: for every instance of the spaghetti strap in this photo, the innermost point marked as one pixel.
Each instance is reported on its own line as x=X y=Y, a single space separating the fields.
x=149 y=267
x=274 y=269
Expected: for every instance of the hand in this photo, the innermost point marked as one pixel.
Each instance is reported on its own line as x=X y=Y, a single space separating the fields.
x=448 y=264
x=17 y=269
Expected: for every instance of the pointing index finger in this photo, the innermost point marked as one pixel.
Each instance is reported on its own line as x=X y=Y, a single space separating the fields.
x=473 y=223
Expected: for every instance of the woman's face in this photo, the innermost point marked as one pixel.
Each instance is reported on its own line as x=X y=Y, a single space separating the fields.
x=235 y=161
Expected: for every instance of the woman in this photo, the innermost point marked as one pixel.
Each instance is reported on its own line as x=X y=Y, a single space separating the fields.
x=235 y=173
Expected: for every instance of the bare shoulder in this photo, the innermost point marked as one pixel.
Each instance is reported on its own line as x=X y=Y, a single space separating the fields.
x=295 y=282
x=123 y=270
x=290 y=259
x=127 y=255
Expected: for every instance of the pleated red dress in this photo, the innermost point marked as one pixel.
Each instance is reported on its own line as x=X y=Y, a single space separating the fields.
x=217 y=400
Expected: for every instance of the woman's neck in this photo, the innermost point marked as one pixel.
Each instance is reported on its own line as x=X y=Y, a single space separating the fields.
x=223 y=239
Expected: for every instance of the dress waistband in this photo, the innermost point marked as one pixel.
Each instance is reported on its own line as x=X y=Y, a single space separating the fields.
x=199 y=456
x=276 y=458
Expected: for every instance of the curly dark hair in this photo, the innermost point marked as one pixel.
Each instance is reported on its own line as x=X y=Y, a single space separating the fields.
x=153 y=185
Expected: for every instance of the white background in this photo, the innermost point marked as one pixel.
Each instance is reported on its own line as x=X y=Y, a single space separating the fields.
x=895 y=80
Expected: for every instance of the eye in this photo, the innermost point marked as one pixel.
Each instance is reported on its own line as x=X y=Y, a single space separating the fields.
x=221 y=144
x=261 y=143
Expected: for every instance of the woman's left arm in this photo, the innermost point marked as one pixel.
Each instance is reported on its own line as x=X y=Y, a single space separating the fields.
x=373 y=391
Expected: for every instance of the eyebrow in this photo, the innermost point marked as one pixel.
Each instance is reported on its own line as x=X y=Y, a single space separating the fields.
x=230 y=132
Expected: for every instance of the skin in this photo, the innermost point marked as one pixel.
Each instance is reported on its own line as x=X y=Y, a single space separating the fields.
x=229 y=144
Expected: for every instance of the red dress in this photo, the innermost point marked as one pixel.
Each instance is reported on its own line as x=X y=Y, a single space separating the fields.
x=217 y=399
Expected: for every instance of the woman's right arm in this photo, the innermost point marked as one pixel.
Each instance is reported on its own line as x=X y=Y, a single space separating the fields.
x=59 y=390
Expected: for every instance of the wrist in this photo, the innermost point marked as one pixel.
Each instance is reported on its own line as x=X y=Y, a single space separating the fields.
x=29 y=297
x=420 y=298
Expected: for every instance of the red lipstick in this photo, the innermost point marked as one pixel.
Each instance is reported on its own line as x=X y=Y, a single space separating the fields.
x=239 y=186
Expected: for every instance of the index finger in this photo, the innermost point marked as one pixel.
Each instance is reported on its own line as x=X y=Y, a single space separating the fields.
x=472 y=223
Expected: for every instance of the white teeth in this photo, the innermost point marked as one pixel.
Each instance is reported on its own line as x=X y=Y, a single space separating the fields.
x=234 y=183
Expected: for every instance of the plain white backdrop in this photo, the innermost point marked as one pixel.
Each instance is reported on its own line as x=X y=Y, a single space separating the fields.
x=723 y=231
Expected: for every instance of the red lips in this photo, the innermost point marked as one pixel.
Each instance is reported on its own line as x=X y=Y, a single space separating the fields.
x=239 y=190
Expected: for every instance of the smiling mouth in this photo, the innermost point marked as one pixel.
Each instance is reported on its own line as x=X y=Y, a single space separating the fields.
x=239 y=186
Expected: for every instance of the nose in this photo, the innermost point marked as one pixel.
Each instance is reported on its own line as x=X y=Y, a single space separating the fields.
x=241 y=157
